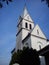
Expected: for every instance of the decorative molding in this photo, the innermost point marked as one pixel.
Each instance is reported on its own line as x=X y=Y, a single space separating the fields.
x=28 y=20
x=26 y=37
x=24 y=19
x=21 y=29
x=32 y=35
x=39 y=37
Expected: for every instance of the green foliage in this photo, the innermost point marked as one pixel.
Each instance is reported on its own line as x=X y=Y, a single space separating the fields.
x=1 y=5
x=13 y=60
x=7 y=2
x=47 y=2
x=25 y=57
x=15 y=57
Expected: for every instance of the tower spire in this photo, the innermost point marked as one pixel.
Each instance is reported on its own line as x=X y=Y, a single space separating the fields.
x=25 y=11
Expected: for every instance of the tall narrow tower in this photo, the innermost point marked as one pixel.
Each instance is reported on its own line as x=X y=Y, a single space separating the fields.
x=25 y=25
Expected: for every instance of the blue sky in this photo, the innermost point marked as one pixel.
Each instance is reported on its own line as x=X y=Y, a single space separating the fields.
x=38 y=11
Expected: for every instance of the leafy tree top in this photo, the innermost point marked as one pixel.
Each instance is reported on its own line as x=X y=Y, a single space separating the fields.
x=25 y=57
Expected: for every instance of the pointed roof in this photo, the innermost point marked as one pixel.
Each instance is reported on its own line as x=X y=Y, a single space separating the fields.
x=26 y=15
x=25 y=11
x=38 y=32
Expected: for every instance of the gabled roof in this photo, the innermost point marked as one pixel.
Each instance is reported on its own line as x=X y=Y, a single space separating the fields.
x=33 y=32
x=44 y=50
x=25 y=15
x=38 y=32
x=25 y=12
x=26 y=37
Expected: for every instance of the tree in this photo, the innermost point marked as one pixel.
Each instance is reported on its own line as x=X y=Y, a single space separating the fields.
x=47 y=2
x=7 y=2
x=15 y=57
x=26 y=57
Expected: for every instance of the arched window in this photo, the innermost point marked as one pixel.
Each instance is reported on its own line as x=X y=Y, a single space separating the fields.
x=26 y=25
x=37 y=32
x=26 y=44
x=30 y=26
x=39 y=46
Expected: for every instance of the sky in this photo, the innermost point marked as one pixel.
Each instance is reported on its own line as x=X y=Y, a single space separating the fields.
x=9 y=15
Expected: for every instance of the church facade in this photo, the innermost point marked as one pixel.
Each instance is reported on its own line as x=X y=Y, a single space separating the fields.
x=29 y=34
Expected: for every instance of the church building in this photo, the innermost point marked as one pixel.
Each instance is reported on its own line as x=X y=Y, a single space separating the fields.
x=31 y=35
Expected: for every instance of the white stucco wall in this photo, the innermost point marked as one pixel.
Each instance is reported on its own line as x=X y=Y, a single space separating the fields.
x=35 y=42
x=25 y=31
x=16 y=64
x=27 y=41
x=18 y=41
x=39 y=33
x=20 y=26
x=24 y=21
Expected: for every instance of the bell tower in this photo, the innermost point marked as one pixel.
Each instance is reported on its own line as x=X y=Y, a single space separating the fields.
x=25 y=25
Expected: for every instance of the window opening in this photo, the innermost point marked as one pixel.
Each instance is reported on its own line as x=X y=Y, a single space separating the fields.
x=30 y=26
x=26 y=25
